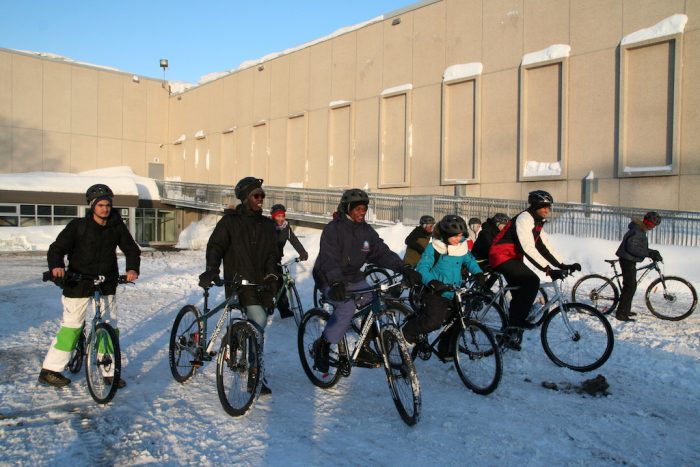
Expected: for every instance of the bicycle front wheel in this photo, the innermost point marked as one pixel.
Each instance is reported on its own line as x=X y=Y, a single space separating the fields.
x=239 y=368
x=312 y=325
x=477 y=358
x=103 y=366
x=597 y=291
x=672 y=298
x=401 y=375
x=185 y=345
x=295 y=303
x=577 y=336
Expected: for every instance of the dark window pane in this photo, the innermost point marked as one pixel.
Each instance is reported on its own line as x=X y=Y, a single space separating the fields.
x=12 y=209
x=65 y=211
x=27 y=209
x=44 y=210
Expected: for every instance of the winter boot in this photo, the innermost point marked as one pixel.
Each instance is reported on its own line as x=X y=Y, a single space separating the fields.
x=621 y=316
x=511 y=338
x=321 y=350
x=53 y=378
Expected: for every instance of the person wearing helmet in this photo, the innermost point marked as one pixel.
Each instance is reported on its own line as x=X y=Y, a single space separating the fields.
x=473 y=229
x=278 y=213
x=246 y=242
x=418 y=239
x=524 y=237
x=489 y=230
x=90 y=244
x=632 y=250
x=440 y=266
x=347 y=243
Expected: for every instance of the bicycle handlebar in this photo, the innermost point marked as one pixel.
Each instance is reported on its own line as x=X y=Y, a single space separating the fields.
x=47 y=276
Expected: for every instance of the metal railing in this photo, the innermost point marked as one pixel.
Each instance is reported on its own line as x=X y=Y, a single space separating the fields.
x=318 y=205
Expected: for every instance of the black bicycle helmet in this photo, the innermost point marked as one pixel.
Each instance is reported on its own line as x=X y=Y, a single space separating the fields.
x=278 y=207
x=426 y=220
x=97 y=191
x=539 y=197
x=451 y=225
x=653 y=217
x=352 y=198
x=246 y=185
x=500 y=218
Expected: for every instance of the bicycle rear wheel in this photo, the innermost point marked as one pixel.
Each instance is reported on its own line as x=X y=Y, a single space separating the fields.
x=537 y=314
x=295 y=303
x=185 y=345
x=477 y=358
x=483 y=311
x=577 y=336
x=103 y=366
x=239 y=368
x=76 y=356
x=401 y=375
x=310 y=329
x=375 y=276
x=597 y=291
x=672 y=298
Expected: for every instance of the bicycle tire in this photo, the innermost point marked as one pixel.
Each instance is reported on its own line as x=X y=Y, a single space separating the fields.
x=310 y=329
x=477 y=358
x=597 y=291
x=674 y=293
x=239 y=368
x=401 y=375
x=185 y=343
x=295 y=303
x=76 y=356
x=103 y=361
x=317 y=297
x=584 y=344
x=491 y=315
x=376 y=275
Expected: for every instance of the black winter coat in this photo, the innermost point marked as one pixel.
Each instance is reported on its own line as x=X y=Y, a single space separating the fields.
x=634 y=245
x=345 y=247
x=91 y=250
x=285 y=233
x=483 y=242
x=246 y=241
x=416 y=241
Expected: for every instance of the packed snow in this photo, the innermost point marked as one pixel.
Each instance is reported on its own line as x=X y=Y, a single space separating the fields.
x=650 y=416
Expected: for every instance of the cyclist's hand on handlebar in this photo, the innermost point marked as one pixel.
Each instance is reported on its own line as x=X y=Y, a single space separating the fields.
x=270 y=283
x=655 y=256
x=480 y=280
x=411 y=276
x=303 y=256
x=556 y=274
x=436 y=286
x=131 y=275
x=58 y=273
x=207 y=278
x=571 y=267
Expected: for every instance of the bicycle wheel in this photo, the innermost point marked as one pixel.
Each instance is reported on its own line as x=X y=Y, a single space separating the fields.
x=537 y=314
x=483 y=311
x=577 y=336
x=295 y=303
x=395 y=313
x=401 y=375
x=239 y=368
x=672 y=298
x=76 y=356
x=375 y=276
x=184 y=343
x=477 y=358
x=103 y=366
x=310 y=329
x=317 y=297
x=597 y=291
x=415 y=296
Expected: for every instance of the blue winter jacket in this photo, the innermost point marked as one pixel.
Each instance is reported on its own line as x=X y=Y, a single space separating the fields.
x=448 y=268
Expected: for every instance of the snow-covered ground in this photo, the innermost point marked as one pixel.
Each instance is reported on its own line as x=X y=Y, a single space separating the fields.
x=649 y=418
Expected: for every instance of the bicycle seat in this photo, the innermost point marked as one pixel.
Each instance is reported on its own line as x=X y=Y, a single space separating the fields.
x=611 y=261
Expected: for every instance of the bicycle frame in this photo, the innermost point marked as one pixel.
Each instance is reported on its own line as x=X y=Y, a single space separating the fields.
x=287 y=279
x=647 y=269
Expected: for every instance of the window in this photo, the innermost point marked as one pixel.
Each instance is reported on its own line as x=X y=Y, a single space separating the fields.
x=30 y=215
x=339 y=153
x=394 y=150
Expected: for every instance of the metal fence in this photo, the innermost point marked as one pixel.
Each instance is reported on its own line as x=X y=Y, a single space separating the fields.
x=315 y=205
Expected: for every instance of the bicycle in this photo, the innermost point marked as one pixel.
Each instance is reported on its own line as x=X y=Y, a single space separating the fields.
x=290 y=289
x=239 y=362
x=667 y=297
x=474 y=350
x=377 y=312
x=574 y=335
x=374 y=275
x=103 y=364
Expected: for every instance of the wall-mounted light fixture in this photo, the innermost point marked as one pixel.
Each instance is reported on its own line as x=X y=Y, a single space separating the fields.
x=164 y=66
x=261 y=67
x=135 y=79
x=395 y=21
x=200 y=134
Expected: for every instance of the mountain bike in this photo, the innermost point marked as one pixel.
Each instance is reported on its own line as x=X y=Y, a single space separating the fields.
x=239 y=362
x=667 y=297
x=374 y=275
x=290 y=289
x=473 y=348
x=379 y=333
x=574 y=335
x=100 y=349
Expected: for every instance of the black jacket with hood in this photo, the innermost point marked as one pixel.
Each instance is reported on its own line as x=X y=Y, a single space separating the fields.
x=483 y=242
x=634 y=245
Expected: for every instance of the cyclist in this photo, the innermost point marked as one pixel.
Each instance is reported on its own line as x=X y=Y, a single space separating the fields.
x=90 y=243
x=441 y=266
x=480 y=250
x=246 y=242
x=347 y=243
x=418 y=239
x=633 y=249
x=523 y=236
x=473 y=229
x=284 y=232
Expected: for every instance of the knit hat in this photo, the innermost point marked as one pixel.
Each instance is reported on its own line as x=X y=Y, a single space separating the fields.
x=277 y=209
x=246 y=186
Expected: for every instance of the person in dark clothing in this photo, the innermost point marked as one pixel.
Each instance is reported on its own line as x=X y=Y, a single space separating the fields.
x=524 y=236
x=246 y=241
x=278 y=213
x=472 y=233
x=418 y=239
x=632 y=250
x=480 y=250
x=90 y=244
x=347 y=243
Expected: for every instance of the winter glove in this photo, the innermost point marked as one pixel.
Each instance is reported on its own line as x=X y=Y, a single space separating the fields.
x=207 y=278
x=556 y=274
x=437 y=286
x=337 y=292
x=571 y=267
x=655 y=255
x=270 y=284
x=480 y=280
x=303 y=256
x=410 y=276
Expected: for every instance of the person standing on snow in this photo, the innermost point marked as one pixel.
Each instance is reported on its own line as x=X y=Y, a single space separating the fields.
x=418 y=239
x=473 y=229
x=246 y=242
x=90 y=244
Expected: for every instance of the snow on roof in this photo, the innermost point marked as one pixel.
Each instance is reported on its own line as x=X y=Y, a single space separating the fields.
x=397 y=89
x=62 y=58
x=461 y=71
x=672 y=25
x=121 y=180
x=552 y=52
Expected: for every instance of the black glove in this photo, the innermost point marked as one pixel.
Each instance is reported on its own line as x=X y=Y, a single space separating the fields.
x=207 y=278
x=655 y=255
x=337 y=292
x=410 y=276
x=436 y=286
x=303 y=256
x=556 y=274
x=480 y=280
x=270 y=283
x=571 y=267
